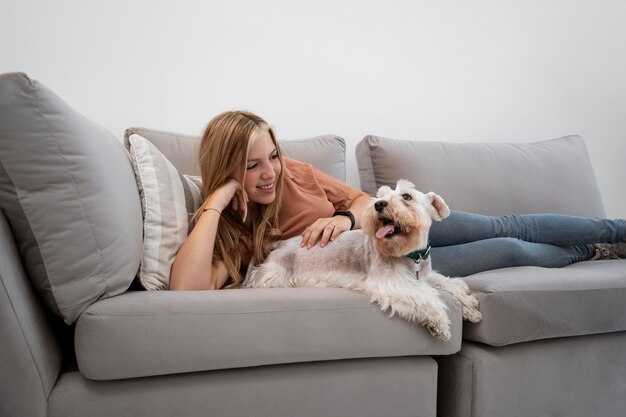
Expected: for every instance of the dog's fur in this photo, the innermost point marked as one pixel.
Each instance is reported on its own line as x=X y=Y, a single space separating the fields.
x=373 y=261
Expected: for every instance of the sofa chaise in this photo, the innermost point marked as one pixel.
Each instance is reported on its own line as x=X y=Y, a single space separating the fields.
x=552 y=341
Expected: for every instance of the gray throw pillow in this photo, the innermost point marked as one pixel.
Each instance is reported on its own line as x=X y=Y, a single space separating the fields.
x=551 y=176
x=68 y=189
x=168 y=201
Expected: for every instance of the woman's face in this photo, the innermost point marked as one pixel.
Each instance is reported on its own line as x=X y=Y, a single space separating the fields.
x=262 y=170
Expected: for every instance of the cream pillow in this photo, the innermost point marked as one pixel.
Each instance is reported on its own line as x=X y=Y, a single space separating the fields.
x=168 y=199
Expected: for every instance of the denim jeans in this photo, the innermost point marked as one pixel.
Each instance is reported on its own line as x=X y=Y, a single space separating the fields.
x=466 y=243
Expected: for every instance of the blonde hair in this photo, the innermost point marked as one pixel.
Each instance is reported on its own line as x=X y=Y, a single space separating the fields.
x=224 y=147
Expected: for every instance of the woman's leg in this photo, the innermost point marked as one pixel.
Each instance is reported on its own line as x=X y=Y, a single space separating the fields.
x=556 y=229
x=470 y=258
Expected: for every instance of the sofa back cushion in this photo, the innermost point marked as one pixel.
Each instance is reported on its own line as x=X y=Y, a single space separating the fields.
x=68 y=190
x=326 y=152
x=552 y=176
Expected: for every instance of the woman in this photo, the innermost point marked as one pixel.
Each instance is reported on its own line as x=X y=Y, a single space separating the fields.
x=245 y=179
x=254 y=196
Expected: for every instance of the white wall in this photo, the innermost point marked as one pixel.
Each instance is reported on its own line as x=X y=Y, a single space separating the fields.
x=463 y=71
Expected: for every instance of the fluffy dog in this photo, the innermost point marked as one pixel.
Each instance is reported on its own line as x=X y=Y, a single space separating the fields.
x=381 y=260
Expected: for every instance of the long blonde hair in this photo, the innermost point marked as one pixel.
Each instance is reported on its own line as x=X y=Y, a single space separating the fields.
x=224 y=147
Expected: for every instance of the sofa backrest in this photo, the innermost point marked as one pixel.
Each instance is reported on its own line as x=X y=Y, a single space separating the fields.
x=552 y=176
x=31 y=355
x=327 y=152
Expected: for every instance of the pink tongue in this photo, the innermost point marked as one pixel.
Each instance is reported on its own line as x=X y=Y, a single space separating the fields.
x=382 y=232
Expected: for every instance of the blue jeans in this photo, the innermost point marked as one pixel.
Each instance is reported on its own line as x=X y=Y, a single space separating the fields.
x=466 y=243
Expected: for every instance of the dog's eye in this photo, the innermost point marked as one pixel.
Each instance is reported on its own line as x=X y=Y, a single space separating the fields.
x=407 y=197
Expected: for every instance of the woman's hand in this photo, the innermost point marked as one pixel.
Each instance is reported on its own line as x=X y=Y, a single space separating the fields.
x=328 y=228
x=229 y=193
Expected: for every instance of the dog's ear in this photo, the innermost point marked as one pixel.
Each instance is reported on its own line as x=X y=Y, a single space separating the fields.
x=441 y=208
x=402 y=183
x=385 y=189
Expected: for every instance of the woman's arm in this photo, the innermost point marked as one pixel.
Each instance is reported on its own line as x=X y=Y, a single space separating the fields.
x=193 y=267
x=328 y=228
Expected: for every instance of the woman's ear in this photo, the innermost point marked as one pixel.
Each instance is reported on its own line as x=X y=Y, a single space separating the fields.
x=441 y=208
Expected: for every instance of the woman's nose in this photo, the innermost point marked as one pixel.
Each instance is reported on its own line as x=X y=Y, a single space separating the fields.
x=268 y=171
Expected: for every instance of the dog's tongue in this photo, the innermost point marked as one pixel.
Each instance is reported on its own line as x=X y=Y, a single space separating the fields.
x=382 y=232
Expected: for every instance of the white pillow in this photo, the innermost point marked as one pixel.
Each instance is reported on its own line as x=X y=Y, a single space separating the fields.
x=168 y=199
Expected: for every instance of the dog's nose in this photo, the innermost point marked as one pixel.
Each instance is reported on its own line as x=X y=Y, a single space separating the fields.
x=380 y=205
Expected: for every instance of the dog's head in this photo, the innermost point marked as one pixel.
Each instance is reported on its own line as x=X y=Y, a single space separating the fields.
x=398 y=220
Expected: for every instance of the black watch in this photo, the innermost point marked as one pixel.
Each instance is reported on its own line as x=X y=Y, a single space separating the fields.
x=348 y=214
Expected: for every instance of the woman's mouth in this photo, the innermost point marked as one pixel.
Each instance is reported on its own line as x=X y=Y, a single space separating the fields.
x=269 y=188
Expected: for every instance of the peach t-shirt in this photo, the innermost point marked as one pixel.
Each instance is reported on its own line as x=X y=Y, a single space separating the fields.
x=309 y=194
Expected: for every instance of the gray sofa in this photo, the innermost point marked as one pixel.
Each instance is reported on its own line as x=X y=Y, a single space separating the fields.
x=81 y=338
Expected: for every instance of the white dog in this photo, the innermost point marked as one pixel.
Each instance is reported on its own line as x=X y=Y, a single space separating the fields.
x=381 y=261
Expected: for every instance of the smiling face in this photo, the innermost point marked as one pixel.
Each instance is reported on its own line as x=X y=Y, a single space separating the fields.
x=263 y=168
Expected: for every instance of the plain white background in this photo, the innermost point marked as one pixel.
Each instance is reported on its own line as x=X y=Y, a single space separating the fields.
x=462 y=71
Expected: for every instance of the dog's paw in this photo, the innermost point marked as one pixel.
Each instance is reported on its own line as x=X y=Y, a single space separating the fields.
x=472 y=315
x=438 y=323
x=440 y=330
x=470 y=307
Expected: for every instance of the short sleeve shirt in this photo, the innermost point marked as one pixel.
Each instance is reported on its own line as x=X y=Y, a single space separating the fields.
x=309 y=194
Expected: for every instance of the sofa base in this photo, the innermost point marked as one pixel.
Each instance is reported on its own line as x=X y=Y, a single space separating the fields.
x=575 y=377
x=402 y=386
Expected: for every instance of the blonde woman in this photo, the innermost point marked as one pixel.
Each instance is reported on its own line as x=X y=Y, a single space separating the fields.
x=254 y=196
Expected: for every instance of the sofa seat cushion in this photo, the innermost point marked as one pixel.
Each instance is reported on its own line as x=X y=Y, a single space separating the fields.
x=530 y=303
x=158 y=333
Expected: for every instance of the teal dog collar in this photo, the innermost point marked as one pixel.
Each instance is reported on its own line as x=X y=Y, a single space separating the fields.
x=418 y=255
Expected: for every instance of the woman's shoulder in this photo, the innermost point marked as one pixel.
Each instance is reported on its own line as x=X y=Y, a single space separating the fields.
x=300 y=176
x=294 y=167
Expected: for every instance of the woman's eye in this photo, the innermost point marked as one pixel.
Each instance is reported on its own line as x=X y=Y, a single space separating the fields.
x=275 y=156
x=252 y=166
x=407 y=197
